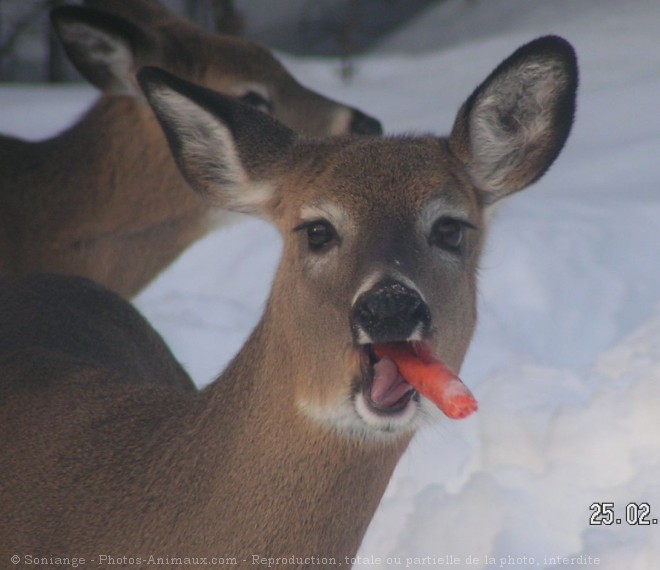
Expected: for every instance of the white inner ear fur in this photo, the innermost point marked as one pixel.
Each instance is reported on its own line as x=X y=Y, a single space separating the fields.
x=103 y=50
x=210 y=156
x=514 y=112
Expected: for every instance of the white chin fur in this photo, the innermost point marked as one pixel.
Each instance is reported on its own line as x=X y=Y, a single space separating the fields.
x=355 y=418
x=402 y=421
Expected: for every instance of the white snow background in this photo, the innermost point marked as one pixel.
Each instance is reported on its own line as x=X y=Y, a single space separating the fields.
x=566 y=359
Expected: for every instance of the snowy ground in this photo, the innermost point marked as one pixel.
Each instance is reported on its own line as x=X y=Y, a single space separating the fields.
x=566 y=359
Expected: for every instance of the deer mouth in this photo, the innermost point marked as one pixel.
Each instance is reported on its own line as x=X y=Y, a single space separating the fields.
x=384 y=390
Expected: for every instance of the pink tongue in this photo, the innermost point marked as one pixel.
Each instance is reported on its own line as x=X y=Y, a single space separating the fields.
x=388 y=385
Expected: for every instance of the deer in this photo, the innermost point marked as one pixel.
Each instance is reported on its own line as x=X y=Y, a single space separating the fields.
x=104 y=199
x=284 y=458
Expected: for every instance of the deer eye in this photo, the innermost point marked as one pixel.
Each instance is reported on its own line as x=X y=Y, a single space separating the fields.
x=320 y=235
x=448 y=233
x=257 y=101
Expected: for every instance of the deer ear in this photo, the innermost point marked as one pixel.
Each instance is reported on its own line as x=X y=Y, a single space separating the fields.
x=104 y=48
x=228 y=151
x=512 y=128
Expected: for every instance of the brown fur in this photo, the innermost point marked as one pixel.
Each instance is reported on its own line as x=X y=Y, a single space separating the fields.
x=104 y=199
x=274 y=458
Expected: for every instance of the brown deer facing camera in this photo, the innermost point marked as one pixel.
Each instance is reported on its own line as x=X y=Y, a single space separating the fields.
x=104 y=199
x=289 y=451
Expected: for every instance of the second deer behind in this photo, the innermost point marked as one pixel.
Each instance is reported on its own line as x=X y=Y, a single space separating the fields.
x=104 y=199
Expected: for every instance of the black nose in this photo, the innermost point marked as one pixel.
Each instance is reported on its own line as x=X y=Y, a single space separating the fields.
x=388 y=312
x=362 y=124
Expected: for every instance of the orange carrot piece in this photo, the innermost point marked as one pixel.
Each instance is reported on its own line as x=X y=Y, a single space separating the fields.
x=430 y=377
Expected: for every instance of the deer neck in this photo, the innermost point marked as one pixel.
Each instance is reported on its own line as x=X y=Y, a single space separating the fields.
x=290 y=485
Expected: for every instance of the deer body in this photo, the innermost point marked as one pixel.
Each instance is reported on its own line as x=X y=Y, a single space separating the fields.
x=105 y=199
x=288 y=452
x=128 y=214
x=195 y=441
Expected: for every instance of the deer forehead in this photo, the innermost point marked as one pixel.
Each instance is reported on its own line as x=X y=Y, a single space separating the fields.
x=214 y=55
x=242 y=58
x=410 y=180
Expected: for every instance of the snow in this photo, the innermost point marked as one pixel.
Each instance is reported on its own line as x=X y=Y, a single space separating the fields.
x=566 y=359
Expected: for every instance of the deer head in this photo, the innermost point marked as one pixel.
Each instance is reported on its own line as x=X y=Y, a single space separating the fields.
x=110 y=40
x=382 y=238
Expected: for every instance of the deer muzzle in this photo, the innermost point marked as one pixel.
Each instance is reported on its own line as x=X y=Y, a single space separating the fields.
x=390 y=311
